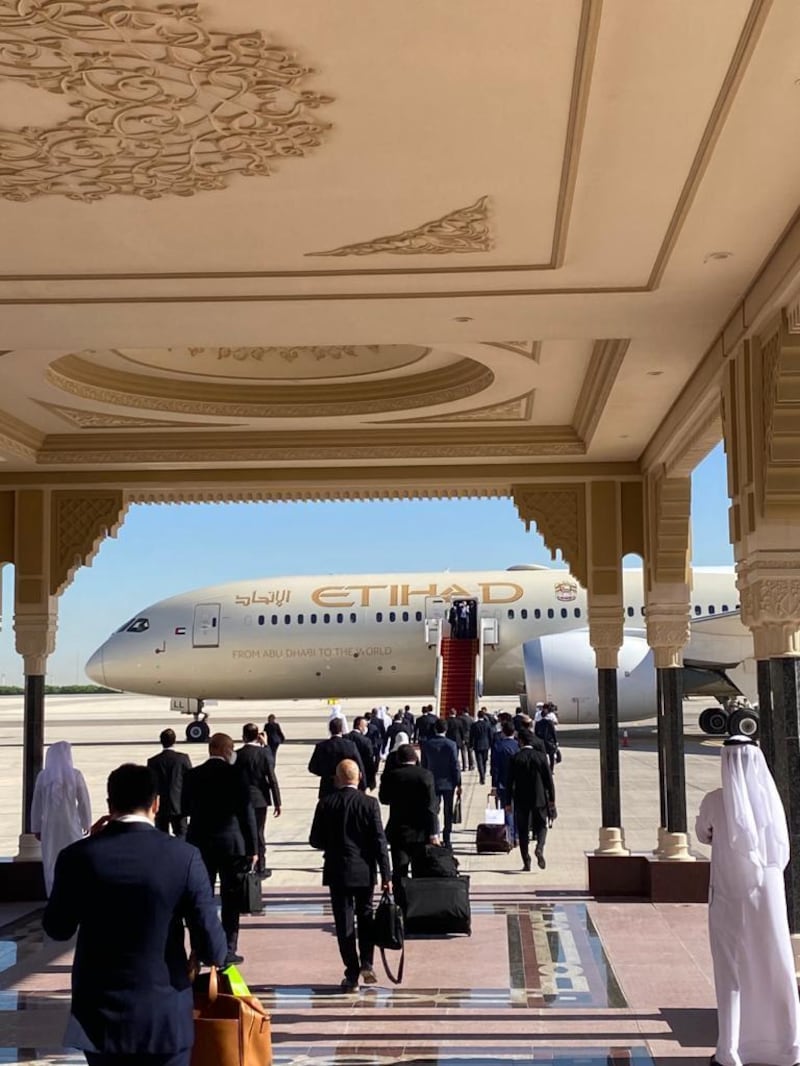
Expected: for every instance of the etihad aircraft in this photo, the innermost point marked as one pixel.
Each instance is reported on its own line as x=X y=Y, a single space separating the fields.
x=457 y=637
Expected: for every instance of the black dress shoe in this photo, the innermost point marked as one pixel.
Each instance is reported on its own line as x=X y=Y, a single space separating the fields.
x=526 y=864
x=232 y=959
x=540 y=862
x=264 y=874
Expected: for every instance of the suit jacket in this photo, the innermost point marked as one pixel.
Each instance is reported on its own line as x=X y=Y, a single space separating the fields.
x=503 y=751
x=530 y=781
x=440 y=756
x=413 y=808
x=256 y=765
x=170 y=767
x=424 y=728
x=367 y=755
x=126 y=891
x=545 y=730
x=453 y=729
x=274 y=735
x=347 y=827
x=327 y=755
x=480 y=735
x=221 y=815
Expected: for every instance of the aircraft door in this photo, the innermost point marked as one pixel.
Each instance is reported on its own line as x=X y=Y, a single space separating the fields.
x=205 y=631
x=435 y=610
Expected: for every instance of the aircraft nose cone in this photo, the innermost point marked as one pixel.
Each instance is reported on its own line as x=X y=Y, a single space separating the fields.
x=95 y=668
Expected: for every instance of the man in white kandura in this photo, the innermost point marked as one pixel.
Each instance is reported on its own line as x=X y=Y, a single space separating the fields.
x=757 y=1004
x=60 y=811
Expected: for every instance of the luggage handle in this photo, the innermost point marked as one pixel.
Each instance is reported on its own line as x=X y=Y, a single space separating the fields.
x=213 y=984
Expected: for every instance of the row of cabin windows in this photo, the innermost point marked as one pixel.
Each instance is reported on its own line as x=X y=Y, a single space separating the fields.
x=405 y=616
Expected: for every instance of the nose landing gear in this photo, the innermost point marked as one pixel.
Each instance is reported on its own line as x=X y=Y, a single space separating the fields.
x=734 y=717
x=198 y=731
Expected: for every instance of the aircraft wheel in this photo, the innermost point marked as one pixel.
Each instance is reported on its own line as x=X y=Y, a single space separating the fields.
x=714 y=721
x=744 y=722
x=197 y=732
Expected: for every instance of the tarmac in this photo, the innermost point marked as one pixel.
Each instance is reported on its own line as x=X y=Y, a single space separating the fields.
x=549 y=974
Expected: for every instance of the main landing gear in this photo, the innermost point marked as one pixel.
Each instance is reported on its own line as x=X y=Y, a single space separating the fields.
x=732 y=717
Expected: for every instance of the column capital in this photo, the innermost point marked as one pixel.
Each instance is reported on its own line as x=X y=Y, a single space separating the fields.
x=606 y=632
x=668 y=631
x=769 y=589
x=35 y=638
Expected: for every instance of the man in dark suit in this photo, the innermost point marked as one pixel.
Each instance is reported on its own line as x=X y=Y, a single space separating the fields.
x=409 y=793
x=223 y=826
x=480 y=741
x=440 y=756
x=466 y=722
x=169 y=768
x=504 y=749
x=274 y=735
x=327 y=755
x=532 y=794
x=425 y=724
x=376 y=735
x=347 y=827
x=256 y=764
x=127 y=890
x=358 y=735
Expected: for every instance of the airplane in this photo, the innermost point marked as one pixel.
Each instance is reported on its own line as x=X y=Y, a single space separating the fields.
x=461 y=637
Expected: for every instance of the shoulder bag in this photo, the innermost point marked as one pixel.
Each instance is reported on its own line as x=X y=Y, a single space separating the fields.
x=388 y=933
x=229 y=1030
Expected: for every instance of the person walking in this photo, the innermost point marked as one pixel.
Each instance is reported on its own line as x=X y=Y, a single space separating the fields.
x=754 y=970
x=256 y=766
x=274 y=735
x=222 y=825
x=424 y=725
x=127 y=890
x=170 y=767
x=61 y=811
x=466 y=722
x=504 y=749
x=454 y=732
x=545 y=730
x=480 y=741
x=347 y=828
x=376 y=735
x=358 y=735
x=400 y=740
x=532 y=795
x=327 y=755
x=439 y=755
x=408 y=791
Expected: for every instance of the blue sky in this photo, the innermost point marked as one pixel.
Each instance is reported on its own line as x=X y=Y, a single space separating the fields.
x=166 y=549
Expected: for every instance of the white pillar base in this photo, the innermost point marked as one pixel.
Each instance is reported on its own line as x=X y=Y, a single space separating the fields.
x=611 y=841
x=659 y=848
x=675 y=847
x=30 y=850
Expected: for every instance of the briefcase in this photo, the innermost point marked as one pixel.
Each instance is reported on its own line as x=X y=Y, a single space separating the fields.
x=492 y=839
x=434 y=860
x=388 y=934
x=251 y=901
x=230 y=1030
x=437 y=906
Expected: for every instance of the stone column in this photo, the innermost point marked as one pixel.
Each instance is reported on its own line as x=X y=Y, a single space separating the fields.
x=602 y=634
x=766 y=725
x=785 y=677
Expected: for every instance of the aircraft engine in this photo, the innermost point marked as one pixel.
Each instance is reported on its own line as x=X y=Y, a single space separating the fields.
x=560 y=667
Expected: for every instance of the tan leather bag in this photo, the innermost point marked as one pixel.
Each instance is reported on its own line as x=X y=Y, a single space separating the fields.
x=230 y=1030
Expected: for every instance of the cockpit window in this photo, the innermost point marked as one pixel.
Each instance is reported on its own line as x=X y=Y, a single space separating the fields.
x=139 y=625
x=122 y=628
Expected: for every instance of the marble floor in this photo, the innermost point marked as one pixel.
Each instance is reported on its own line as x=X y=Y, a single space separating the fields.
x=546 y=976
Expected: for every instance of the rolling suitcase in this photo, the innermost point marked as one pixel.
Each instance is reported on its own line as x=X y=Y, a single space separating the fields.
x=492 y=836
x=436 y=906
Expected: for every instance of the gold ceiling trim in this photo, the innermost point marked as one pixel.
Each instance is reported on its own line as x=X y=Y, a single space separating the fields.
x=18 y=438
x=605 y=363
x=162 y=105
x=84 y=419
x=286 y=353
x=745 y=46
x=530 y=349
x=90 y=381
x=459 y=442
x=516 y=409
x=461 y=231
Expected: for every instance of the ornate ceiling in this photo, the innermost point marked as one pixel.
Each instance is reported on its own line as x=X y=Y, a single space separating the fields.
x=296 y=237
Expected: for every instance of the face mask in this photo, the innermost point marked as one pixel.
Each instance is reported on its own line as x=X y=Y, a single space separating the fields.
x=231 y=757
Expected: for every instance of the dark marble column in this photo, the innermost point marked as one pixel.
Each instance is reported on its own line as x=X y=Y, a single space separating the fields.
x=766 y=732
x=33 y=742
x=785 y=678
x=609 y=748
x=661 y=745
x=675 y=772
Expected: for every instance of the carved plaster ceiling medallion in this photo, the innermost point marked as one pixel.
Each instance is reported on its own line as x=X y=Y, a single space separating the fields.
x=95 y=377
x=277 y=363
x=84 y=419
x=463 y=230
x=517 y=409
x=162 y=104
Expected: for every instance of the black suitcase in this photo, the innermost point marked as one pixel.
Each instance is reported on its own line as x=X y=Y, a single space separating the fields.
x=492 y=839
x=434 y=860
x=251 y=901
x=436 y=906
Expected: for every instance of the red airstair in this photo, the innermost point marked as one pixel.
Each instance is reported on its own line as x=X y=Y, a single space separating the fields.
x=458 y=674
